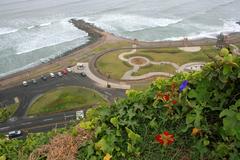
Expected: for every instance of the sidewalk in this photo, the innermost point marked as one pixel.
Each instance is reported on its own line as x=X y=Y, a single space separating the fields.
x=101 y=82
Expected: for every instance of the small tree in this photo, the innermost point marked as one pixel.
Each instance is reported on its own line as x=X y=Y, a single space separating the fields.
x=220 y=41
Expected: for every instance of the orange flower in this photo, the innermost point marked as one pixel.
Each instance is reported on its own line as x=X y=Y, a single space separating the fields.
x=107 y=157
x=174 y=101
x=165 y=138
x=195 y=131
x=166 y=97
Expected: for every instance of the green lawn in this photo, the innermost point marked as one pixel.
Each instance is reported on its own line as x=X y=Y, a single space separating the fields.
x=112 y=45
x=155 y=68
x=7 y=112
x=177 y=56
x=65 y=99
x=109 y=64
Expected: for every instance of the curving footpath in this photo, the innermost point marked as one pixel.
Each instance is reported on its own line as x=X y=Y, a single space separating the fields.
x=99 y=81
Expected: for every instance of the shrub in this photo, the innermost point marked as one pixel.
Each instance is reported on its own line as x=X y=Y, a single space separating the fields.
x=191 y=116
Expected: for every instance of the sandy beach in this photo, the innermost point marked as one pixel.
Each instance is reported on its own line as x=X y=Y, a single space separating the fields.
x=83 y=53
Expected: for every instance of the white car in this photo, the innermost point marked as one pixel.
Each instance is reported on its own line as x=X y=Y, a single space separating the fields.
x=14 y=134
x=25 y=83
x=52 y=75
x=60 y=74
x=69 y=69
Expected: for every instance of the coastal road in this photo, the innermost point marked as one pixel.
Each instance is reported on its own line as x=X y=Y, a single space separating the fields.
x=26 y=96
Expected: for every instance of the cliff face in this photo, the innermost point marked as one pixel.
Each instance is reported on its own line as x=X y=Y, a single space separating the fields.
x=93 y=32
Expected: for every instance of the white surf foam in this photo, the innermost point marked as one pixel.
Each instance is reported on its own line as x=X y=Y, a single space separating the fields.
x=7 y=31
x=45 y=24
x=229 y=26
x=130 y=23
x=58 y=33
x=30 y=27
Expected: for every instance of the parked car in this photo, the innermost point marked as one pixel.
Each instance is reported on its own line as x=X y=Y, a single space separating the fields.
x=83 y=74
x=25 y=83
x=34 y=81
x=80 y=66
x=52 y=75
x=60 y=74
x=65 y=72
x=43 y=77
x=69 y=69
x=14 y=134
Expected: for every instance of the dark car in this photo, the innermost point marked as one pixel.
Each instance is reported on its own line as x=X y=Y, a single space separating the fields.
x=14 y=134
x=34 y=81
x=83 y=74
x=43 y=77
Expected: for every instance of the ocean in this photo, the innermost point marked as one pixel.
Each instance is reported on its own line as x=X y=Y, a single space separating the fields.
x=34 y=31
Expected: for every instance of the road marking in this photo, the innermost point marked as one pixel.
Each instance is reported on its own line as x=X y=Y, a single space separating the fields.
x=26 y=123
x=107 y=93
x=60 y=84
x=49 y=119
x=69 y=116
x=4 y=128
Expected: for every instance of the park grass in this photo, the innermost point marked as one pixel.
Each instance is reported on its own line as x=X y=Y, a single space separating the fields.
x=8 y=111
x=109 y=64
x=177 y=56
x=155 y=68
x=65 y=99
x=107 y=46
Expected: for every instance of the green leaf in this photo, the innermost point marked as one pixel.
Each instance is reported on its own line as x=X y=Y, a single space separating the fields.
x=226 y=112
x=153 y=124
x=192 y=94
x=131 y=113
x=133 y=136
x=114 y=121
x=106 y=144
x=206 y=142
x=190 y=118
x=227 y=69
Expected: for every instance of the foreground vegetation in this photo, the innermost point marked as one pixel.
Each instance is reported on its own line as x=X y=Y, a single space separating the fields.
x=65 y=99
x=190 y=116
x=8 y=111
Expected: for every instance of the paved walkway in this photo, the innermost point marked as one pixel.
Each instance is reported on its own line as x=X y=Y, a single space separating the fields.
x=193 y=66
x=122 y=56
x=190 y=49
x=99 y=81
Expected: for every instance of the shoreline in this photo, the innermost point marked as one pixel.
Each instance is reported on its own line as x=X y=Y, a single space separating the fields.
x=97 y=37
x=93 y=38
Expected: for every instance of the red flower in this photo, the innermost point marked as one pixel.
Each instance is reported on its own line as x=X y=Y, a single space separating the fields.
x=165 y=138
x=166 y=97
x=174 y=101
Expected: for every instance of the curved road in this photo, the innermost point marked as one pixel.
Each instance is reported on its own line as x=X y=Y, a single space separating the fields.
x=27 y=94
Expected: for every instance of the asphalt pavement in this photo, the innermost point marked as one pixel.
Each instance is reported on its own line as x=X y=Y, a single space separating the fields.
x=26 y=94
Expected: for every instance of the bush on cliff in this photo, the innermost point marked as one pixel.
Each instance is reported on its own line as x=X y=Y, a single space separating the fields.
x=191 y=116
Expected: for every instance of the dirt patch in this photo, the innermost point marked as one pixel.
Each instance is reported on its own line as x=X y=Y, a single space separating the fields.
x=138 y=61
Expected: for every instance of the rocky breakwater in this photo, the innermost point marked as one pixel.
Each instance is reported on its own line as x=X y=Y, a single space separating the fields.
x=94 y=33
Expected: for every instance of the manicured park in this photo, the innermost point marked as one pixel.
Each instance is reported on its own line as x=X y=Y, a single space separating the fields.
x=65 y=99
x=111 y=66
